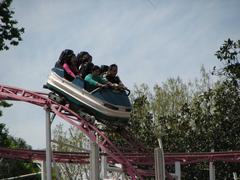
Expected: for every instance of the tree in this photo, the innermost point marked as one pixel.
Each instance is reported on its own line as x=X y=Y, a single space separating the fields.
x=214 y=115
x=4 y=140
x=193 y=117
x=10 y=34
x=141 y=120
x=228 y=54
x=71 y=140
x=156 y=115
x=10 y=167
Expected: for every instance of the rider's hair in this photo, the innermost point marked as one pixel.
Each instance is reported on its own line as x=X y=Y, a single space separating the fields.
x=65 y=56
x=112 y=66
x=95 y=67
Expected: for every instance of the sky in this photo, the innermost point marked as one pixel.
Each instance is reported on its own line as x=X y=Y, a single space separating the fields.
x=149 y=40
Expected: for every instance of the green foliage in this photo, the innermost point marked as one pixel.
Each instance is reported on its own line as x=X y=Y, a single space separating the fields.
x=156 y=114
x=5 y=140
x=193 y=117
x=228 y=54
x=10 y=167
x=141 y=121
x=214 y=115
x=4 y=104
x=71 y=140
x=10 y=34
x=169 y=98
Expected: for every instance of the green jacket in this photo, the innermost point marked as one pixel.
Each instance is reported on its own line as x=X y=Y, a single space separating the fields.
x=91 y=82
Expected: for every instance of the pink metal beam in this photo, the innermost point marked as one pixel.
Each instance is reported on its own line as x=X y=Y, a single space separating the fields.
x=95 y=134
x=30 y=155
x=135 y=158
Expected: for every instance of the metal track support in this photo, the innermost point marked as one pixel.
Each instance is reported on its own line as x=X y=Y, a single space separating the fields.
x=43 y=170
x=94 y=161
x=48 y=145
x=211 y=171
x=159 y=162
x=104 y=167
x=178 y=170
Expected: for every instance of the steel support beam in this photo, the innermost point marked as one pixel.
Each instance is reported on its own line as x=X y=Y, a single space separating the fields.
x=159 y=164
x=211 y=171
x=48 y=145
x=104 y=167
x=94 y=161
x=43 y=170
x=178 y=170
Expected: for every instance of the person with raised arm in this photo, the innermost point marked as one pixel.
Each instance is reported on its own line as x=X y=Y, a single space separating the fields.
x=94 y=80
x=111 y=76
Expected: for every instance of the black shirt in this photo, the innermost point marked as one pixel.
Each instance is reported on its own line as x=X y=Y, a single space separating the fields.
x=114 y=80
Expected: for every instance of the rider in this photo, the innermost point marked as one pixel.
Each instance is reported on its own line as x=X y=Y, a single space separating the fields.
x=65 y=54
x=86 y=64
x=112 y=77
x=103 y=70
x=94 y=80
x=67 y=62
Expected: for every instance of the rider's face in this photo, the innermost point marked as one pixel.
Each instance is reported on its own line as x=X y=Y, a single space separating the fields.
x=113 y=71
x=96 y=72
x=73 y=59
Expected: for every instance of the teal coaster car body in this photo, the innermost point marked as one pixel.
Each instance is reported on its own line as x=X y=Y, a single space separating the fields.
x=107 y=105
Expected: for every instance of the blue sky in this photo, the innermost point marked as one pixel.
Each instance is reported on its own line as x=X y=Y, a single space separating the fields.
x=150 y=40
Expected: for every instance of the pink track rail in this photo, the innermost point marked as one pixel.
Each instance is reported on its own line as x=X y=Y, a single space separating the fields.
x=95 y=134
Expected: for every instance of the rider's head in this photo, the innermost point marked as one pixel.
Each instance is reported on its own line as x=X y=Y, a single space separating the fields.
x=96 y=70
x=66 y=55
x=113 y=70
x=83 y=57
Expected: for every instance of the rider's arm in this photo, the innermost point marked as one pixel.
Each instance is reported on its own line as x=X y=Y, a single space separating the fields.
x=102 y=80
x=68 y=70
x=120 y=84
x=90 y=80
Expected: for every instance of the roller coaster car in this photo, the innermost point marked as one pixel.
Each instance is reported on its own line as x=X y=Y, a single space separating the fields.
x=107 y=105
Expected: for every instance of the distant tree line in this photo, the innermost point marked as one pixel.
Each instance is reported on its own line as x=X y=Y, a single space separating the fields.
x=9 y=167
x=197 y=116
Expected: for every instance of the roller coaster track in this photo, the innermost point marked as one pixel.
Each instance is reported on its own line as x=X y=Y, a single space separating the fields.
x=138 y=156
x=93 y=133
x=40 y=155
x=135 y=158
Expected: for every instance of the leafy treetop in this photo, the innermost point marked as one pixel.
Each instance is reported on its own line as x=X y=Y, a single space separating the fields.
x=228 y=54
x=10 y=34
